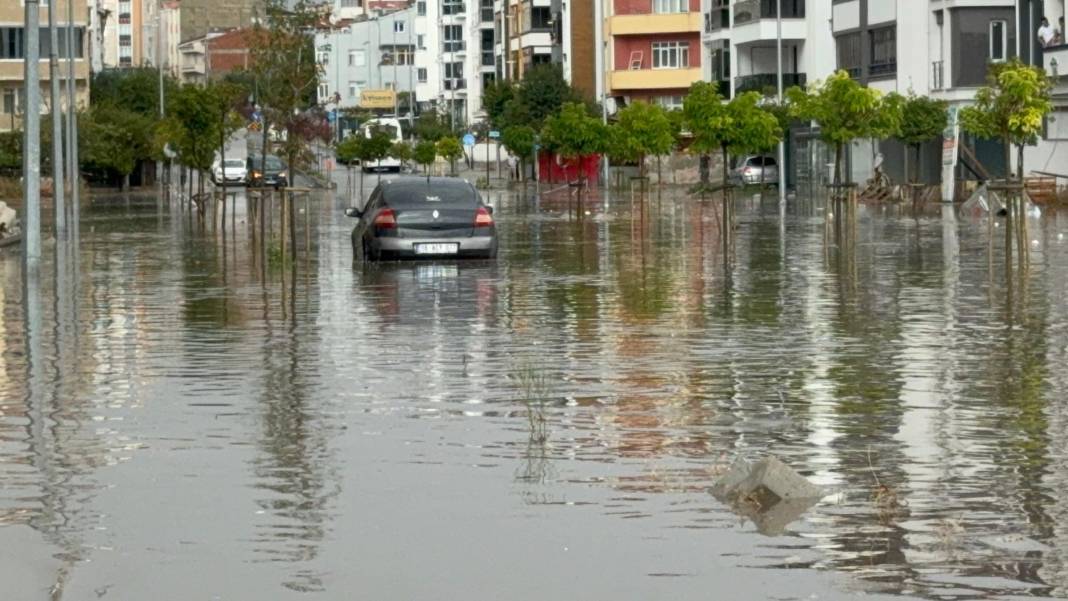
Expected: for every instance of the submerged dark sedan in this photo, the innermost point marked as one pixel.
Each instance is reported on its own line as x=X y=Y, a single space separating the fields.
x=419 y=217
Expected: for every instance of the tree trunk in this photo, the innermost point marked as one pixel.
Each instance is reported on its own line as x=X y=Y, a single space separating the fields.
x=1008 y=159
x=222 y=163
x=1020 y=162
x=125 y=185
x=837 y=164
x=703 y=168
x=726 y=170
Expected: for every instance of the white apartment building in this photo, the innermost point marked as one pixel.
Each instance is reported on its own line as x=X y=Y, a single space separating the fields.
x=940 y=48
x=454 y=56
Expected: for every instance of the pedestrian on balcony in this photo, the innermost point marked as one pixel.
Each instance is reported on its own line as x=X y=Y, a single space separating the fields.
x=1058 y=34
x=1045 y=33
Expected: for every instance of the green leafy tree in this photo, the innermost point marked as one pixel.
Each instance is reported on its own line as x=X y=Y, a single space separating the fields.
x=845 y=111
x=706 y=117
x=922 y=119
x=376 y=145
x=450 y=149
x=430 y=127
x=519 y=140
x=755 y=129
x=495 y=99
x=135 y=89
x=1011 y=107
x=643 y=129
x=113 y=140
x=425 y=153
x=542 y=93
x=402 y=151
x=348 y=150
x=192 y=126
x=573 y=133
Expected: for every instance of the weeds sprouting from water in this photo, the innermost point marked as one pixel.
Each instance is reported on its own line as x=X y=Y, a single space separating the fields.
x=887 y=503
x=535 y=388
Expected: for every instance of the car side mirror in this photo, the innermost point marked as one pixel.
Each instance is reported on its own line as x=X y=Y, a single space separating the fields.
x=353 y=212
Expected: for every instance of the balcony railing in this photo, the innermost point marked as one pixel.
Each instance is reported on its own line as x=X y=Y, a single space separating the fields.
x=751 y=10
x=455 y=84
x=767 y=82
x=937 y=76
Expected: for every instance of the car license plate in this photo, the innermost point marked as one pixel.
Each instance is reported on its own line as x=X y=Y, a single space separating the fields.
x=437 y=249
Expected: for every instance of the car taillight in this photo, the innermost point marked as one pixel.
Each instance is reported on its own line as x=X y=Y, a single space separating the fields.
x=483 y=217
x=749 y=171
x=385 y=220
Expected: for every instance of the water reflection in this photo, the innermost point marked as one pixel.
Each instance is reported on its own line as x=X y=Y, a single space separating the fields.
x=312 y=401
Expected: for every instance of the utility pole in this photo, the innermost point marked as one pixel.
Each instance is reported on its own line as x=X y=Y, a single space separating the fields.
x=782 y=143
x=31 y=141
x=57 y=124
x=72 y=118
x=602 y=72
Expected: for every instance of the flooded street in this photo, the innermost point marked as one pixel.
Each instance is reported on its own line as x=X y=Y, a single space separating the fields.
x=185 y=417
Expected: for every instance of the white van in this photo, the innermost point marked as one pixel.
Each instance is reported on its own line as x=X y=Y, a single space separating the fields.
x=388 y=163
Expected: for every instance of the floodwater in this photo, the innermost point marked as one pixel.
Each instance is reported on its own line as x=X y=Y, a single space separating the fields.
x=182 y=419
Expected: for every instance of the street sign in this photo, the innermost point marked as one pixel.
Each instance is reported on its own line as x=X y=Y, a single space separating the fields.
x=494 y=134
x=257 y=116
x=469 y=140
x=331 y=116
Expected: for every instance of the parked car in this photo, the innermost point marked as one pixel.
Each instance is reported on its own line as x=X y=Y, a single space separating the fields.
x=234 y=172
x=418 y=217
x=754 y=170
x=274 y=174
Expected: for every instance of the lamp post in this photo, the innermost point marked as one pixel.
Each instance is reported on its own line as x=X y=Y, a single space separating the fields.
x=31 y=126
x=778 y=73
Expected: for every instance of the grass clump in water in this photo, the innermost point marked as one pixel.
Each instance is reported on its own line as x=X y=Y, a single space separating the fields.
x=535 y=389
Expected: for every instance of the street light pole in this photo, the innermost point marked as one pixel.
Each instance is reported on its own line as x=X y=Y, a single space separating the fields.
x=72 y=121
x=57 y=124
x=778 y=73
x=31 y=159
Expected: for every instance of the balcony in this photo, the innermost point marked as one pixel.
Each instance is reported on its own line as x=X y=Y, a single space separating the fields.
x=654 y=79
x=1055 y=60
x=765 y=82
x=455 y=84
x=717 y=20
x=748 y=11
x=887 y=69
x=655 y=23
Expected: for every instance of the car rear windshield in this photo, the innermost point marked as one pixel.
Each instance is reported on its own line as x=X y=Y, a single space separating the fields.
x=433 y=193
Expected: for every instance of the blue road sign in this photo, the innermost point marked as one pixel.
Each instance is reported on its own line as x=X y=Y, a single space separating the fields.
x=469 y=140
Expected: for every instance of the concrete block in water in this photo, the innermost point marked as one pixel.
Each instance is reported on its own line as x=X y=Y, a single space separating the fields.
x=768 y=492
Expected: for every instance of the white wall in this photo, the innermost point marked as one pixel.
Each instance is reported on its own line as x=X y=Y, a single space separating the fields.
x=885 y=11
x=913 y=52
x=846 y=15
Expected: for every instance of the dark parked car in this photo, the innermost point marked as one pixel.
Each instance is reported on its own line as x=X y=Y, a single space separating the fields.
x=419 y=217
x=273 y=175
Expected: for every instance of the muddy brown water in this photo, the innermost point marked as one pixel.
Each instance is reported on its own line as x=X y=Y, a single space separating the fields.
x=181 y=420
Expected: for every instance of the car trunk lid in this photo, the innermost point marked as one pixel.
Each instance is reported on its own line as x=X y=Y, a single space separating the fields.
x=435 y=222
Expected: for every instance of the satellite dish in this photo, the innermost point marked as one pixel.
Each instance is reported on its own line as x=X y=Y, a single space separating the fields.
x=168 y=152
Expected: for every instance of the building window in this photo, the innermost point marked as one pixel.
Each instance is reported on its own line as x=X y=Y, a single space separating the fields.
x=351 y=3
x=324 y=58
x=671 y=103
x=354 y=89
x=398 y=55
x=421 y=8
x=671 y=55
x=454 y=70
x=884 y=51
x=453 y=38
x=11 y=101
x=999 y=40
x=324 y=91
x=849 y=58
x=398 y=27
x=357 y=58
x=419 y=41
x=487 y=11
x=452 y=7
x=671 y=6
x=420 y=74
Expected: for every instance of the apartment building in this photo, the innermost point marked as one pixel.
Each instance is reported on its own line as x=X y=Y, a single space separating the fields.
x=454 y=56
x=12 y=59
x=545 y=32
x=654 y=50
x=375 y=55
